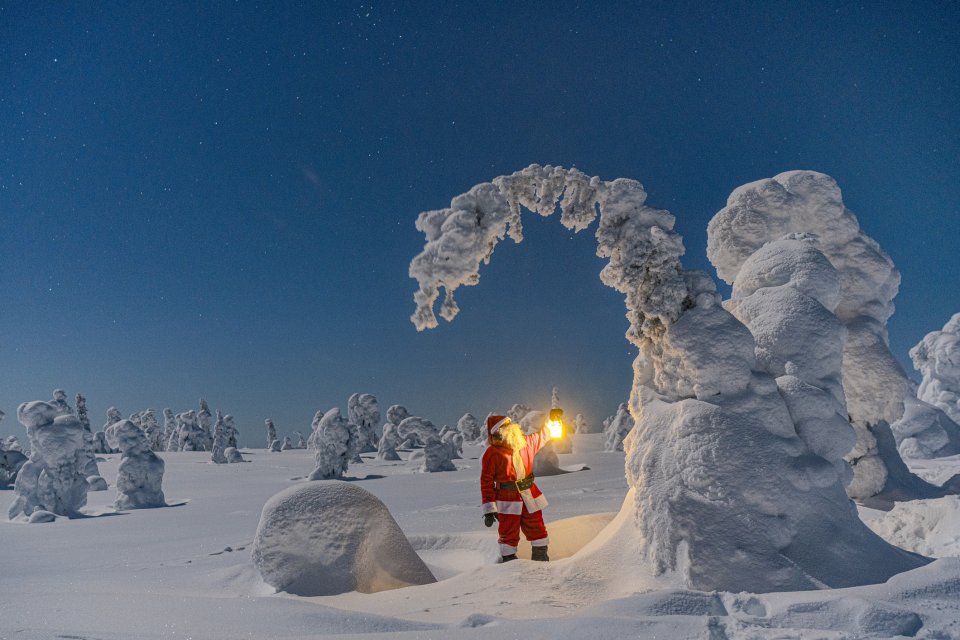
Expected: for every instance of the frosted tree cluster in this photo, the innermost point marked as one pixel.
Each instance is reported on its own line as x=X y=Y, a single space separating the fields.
x=699 y=505
x=10 y=461
x=364 y=411
x=53 y=479
x=335 y=442
x=787 y=293
x=205 y=420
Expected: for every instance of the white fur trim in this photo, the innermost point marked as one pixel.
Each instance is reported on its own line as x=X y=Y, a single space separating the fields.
x=542 y=542
x=497 y=426
x=488 y=507
x=510 y=507
x=533 y=504
x=506 y=550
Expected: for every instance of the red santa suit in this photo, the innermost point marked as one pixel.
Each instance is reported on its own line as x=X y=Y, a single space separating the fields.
x=517 y=510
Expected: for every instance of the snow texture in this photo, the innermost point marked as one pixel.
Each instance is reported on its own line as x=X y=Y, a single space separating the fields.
x=53 y=478
x=937 y=358
x=205 y=420
x=617 y=428
x=140 y=474
x=874 y=384
x=334 y=447
x=700 y=507
x=364 y=411
x=333 y=537
x=469 y=427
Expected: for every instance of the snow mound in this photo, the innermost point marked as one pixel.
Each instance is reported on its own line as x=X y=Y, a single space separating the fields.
x=928 y=527
x=327 y=538
x=140 y=474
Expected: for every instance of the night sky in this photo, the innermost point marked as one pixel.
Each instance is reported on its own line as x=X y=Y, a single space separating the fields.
x=218 y=199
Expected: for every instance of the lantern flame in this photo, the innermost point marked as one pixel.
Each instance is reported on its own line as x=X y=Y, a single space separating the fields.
x=556 y=428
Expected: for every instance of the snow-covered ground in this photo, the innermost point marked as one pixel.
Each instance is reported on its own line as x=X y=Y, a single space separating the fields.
x=185 y=571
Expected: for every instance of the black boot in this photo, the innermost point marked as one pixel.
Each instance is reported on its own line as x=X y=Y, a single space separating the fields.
x=539 y=554
x=508 y=558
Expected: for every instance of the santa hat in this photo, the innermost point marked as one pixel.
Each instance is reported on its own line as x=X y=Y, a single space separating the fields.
x=494 y=423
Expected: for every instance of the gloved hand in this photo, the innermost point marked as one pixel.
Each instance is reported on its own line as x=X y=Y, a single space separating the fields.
x=489 y=519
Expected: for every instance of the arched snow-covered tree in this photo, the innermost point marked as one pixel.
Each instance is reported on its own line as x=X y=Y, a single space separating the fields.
x=699 y=506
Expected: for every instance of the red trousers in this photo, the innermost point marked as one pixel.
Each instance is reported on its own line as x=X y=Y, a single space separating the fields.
x=511 y=525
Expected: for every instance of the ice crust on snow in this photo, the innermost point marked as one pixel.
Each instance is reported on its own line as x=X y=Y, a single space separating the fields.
x=140 y=475
x=327 y=538
x=53 y=478
x=705 y=411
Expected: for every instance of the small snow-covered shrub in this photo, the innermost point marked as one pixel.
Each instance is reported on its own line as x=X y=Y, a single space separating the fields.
x=140 y=474
x=326 y=538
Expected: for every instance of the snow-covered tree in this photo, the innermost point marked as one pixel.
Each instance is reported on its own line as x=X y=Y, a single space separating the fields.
x=389 y=441
x=219 y=446
x=518 y=411
x=699 y=506
x=140 y=475
x=271 y=433
x=301 y=442
x=437 y=456
x=364 y=411
x=937 y=358
x=470 y=428
x=170 y=439
x=60 y=403
x=191 y=436
x=287 y=444
x=205 y=420
x=580 y=424
x=334 y=447
x=858 y=293
x=11 y=443
x=233 y=455
x=616 y=428
x=152 y=430
x=453 y=439
x=232 y=432
x=113 y=417
x=10 y=462
x=82 y=412
x=100 y=443
x=276 y=446
x=397 y=413
x=53 y=479
x=415 y=431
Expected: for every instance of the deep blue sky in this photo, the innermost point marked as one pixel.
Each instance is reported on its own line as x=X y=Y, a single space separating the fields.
x=219 y=200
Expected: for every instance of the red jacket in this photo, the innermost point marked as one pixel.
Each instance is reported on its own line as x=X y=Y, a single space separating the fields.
x=497 y=466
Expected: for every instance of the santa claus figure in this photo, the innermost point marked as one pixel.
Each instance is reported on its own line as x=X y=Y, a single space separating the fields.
x=506 y=485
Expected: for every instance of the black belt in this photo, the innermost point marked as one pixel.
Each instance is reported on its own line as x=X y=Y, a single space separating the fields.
x=519 y=485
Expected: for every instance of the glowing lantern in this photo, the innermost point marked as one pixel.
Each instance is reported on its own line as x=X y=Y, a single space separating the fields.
x=555 y=423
